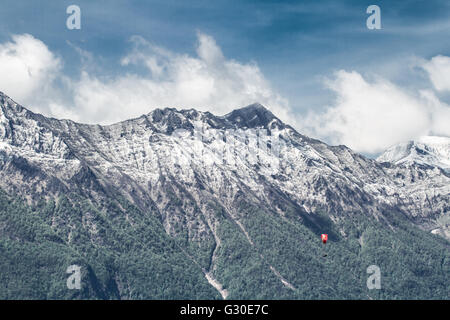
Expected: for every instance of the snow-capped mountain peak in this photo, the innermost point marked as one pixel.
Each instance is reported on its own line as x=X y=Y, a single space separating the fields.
x=427 y=150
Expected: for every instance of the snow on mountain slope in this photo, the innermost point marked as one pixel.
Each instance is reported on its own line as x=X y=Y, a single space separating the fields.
x=180 y=161
x=428 y=150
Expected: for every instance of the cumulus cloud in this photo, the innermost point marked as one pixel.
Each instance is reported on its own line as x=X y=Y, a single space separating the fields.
x=371 y=116
x=368 y=116
x=28 y=68
x=207 y=81
x=438 y=69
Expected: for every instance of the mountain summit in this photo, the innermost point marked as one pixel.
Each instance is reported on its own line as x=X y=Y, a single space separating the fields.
x=254 y=115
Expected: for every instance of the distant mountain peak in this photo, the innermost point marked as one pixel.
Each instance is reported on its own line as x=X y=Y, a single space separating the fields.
x=428 y=150
x=254 y=107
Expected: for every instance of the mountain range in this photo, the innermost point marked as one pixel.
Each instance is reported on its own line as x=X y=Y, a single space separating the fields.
x=183 y=204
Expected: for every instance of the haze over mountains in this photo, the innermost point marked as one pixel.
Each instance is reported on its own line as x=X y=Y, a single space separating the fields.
x=186 y=204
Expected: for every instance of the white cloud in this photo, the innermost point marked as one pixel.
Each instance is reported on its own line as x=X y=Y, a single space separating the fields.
x=207 y=81
x=28 y=68
x=439 y=114
x=371 y=116
x=438 y=69
x=368 y=116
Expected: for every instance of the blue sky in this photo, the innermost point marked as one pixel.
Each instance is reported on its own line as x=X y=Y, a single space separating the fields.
x=298 y=47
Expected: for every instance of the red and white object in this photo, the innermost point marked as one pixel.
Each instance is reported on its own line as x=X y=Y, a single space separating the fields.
x=324 y=238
